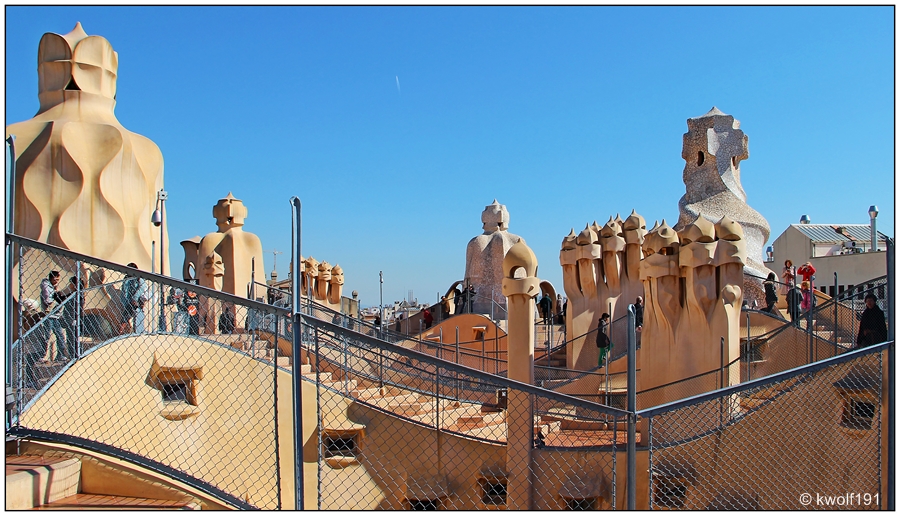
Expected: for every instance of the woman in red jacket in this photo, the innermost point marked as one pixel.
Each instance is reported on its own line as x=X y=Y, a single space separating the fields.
x=807 y=271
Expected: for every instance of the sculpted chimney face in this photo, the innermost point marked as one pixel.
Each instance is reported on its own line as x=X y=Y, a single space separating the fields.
x=495 y=217
x=75 y=62
x=229 y=213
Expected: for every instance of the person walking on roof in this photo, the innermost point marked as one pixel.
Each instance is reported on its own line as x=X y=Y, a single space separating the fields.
x=603 y=342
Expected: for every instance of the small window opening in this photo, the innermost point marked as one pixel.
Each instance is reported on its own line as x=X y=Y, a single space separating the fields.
x=700 y=158
x=581 y=504
x=858 y=414
x=340 y=446
x=424 y=505
x=734 y=162
x=176 y=393
x=669 y=492
x=493 y=492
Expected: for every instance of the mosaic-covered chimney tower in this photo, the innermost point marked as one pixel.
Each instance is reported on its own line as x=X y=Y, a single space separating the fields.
x=83 y=181
x=713 y=149
x=484 y=256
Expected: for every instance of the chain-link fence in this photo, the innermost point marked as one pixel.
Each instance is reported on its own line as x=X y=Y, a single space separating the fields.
x=187 y=381
x=806 y=439
x=196 y=384
x=180 y=377
x=449 y=421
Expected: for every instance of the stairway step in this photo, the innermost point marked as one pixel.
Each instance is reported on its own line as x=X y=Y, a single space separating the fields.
x=32 y=480
x=323 y=377
x=340 y=385
x=366 y=394
x=92 y=502
x=407 y=408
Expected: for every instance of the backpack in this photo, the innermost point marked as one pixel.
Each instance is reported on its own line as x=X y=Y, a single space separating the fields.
x=603 y=339
x=771 y=294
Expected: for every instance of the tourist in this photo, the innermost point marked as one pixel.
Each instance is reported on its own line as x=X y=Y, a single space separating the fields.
x=191 y=304
x=771 y=294
x=560 y=316
x=49 y=295
x=788 y=276
x=426 y=315
x=806 y=299
x=136 y=296
x=226 y=319
x=807 y=272
x=872 y=329
x=545 y=305
x=470 y=299
x=397 y=323
x=180 y=320
x=458 y=302
x=72 y=310
x=794 y=300
x=603 y=342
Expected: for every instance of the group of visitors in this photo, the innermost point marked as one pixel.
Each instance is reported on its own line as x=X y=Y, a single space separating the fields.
x=872 y=327
x=547 y=314
x=799 y=298
x=463 y=299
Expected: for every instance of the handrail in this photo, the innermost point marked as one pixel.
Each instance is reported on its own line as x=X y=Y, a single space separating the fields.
x=458 y=368
x=140 y=460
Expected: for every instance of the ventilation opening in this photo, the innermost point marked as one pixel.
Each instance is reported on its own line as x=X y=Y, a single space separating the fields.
x=581 y=504
x=424 y=505
x=700 y=158
x=858 y=414
x=72 y=86
x=340 y=446
x=669 y=492
x=734 y=162
x=177 y=392
x=493 y=492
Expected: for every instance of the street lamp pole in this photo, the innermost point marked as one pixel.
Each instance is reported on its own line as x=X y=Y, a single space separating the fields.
x=157 y=219
x=381 y=301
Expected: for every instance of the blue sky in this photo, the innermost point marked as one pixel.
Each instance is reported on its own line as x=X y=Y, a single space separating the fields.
x=565 y=115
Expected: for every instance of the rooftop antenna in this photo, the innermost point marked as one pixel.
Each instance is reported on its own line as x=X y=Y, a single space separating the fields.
x=275 y=254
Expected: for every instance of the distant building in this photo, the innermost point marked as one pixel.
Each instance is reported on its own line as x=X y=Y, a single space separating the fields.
x=845 y=249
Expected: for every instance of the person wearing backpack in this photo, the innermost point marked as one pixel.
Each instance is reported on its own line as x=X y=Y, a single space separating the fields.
x=603 y=342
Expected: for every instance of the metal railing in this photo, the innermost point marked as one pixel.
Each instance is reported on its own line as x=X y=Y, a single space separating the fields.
x=198 y=401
